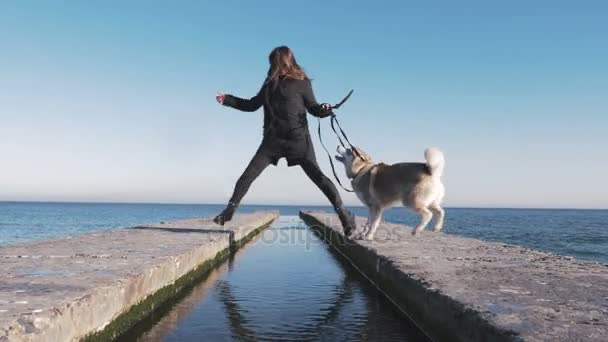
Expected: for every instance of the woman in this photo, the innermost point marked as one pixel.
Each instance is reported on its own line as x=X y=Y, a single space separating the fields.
x=286 y=96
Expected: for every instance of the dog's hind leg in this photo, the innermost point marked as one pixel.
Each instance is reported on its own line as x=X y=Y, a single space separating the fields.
x=425 y=217
x=375 y=215
x=439 y=214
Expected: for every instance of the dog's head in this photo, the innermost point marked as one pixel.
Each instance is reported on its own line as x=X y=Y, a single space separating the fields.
x=353 y=159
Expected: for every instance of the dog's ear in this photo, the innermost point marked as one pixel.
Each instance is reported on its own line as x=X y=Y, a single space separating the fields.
x=361 y=154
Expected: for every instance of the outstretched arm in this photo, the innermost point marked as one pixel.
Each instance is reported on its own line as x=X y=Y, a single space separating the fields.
x=311 y=104
x=245 y=105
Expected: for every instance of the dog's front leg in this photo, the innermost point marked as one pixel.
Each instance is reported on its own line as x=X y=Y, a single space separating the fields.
x=375 y=217
x=361 y=233
x=425 y=217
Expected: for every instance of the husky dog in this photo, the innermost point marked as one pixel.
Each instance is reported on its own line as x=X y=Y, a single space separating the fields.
x=417 y=186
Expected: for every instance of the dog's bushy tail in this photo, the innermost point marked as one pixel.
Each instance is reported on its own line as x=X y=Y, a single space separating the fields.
x=435 y=161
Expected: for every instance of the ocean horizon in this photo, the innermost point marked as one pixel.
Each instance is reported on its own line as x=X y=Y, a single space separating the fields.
x=285 y=205
x=581 y=233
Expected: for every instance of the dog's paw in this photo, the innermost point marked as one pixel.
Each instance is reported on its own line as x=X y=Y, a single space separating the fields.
x=368 y=237
x=357 y=236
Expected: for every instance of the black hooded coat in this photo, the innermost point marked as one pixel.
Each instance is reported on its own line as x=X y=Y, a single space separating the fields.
x=285 y=103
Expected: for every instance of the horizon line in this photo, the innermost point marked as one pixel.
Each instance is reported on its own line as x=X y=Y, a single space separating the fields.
x=283 y=205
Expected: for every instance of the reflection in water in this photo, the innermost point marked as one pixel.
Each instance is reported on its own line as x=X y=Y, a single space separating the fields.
x=286 y=285
x=235 y=314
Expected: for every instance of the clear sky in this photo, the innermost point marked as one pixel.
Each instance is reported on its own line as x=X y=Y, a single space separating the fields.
x=114 y=100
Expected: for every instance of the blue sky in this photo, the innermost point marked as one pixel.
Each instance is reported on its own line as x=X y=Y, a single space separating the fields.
x=114 y=100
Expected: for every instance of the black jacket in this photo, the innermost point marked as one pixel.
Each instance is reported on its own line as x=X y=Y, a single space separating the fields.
x=285 y=102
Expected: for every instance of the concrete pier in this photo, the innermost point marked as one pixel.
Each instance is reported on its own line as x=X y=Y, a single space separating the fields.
x=462 y=289
x=97 y=285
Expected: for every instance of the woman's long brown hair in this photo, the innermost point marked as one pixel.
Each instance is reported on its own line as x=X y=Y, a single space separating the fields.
x=283 y=64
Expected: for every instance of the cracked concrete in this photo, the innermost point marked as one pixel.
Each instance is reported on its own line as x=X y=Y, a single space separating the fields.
x=466 y=289
x=65 y=289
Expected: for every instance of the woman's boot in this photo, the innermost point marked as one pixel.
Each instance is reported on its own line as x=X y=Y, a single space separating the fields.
x=347 y=219
x=226 y=214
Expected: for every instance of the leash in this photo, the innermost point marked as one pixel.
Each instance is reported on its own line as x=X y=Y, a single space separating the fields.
x=343 y=100
x=331 y=160
x=334 y=123
x=334 y=119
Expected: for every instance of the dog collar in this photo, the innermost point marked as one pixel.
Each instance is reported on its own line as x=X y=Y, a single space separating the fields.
x=362 y=172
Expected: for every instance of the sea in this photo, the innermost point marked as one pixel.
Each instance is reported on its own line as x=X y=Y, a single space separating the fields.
x=571 y=232
x=274 y=291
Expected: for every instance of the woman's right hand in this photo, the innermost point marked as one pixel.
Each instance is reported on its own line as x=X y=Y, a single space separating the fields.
x=220 y=98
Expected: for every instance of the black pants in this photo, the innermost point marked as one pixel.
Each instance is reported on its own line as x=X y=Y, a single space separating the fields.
x=261 y=160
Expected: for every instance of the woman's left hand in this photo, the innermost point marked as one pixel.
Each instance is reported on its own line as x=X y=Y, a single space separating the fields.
x=326 y=108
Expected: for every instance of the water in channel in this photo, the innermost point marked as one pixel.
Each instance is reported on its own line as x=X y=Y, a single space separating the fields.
x=286 y=285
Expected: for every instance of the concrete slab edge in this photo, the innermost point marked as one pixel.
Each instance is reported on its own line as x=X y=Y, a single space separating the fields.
x=439 y=316
x=141 y=310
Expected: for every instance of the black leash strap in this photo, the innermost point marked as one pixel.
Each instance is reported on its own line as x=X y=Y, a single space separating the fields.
x=331 y=160
x=334 y=119
x=343 y=100
x=335 y=122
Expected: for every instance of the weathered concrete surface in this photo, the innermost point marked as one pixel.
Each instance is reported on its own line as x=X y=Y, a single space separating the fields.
x=458 y=288
x=177 y=310
x=66 y=289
